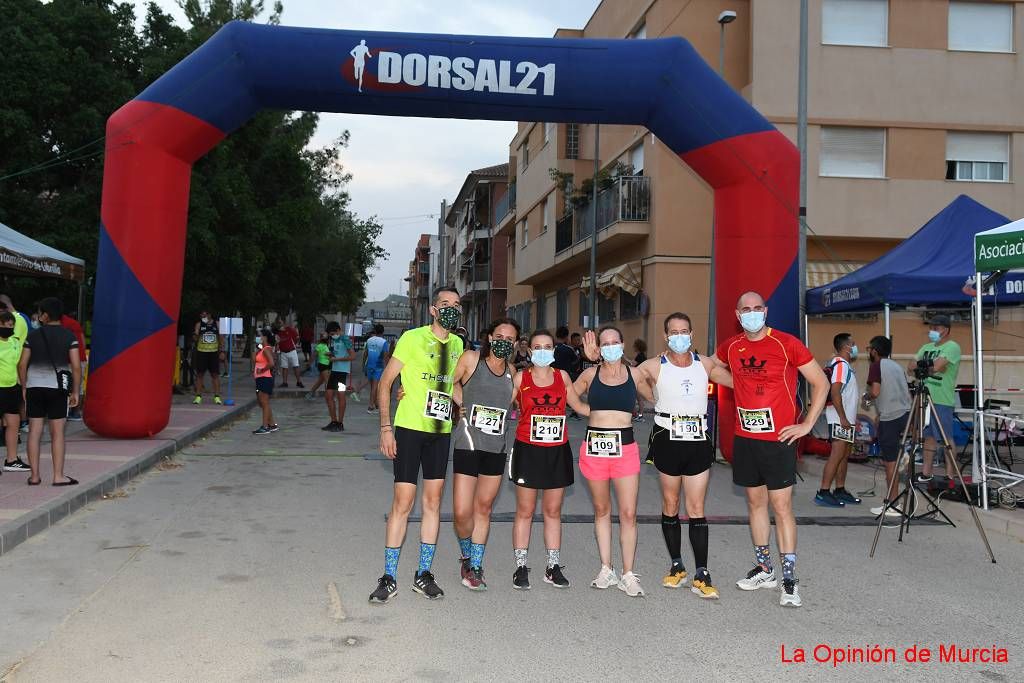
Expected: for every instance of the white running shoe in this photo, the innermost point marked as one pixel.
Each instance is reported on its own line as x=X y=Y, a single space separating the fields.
x=757 y=578
x=790 y=596
x=606 y=579
x=890 y=512
x=630 y=585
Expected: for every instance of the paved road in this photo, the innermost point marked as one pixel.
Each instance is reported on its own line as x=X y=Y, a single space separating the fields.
x=253 y=561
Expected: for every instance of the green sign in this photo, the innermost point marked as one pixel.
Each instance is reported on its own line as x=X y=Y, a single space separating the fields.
x=999 y=250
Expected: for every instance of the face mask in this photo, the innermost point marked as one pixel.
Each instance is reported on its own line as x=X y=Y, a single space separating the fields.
x=449 y=317
x=611 y=353
x=853 y=352
x=6 y=332
x=36 y=325
x=680 y=343
x=543 y=357
x=934 y=336
x=335 y=336
x=501 y=348
x=205 y=320
x=752 y=321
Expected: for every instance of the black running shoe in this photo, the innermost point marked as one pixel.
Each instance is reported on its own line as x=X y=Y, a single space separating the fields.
x=18 y=465
x=521 y=579
x=329 y=427
x=427 y=587
x=386 y=589
x=554 y=576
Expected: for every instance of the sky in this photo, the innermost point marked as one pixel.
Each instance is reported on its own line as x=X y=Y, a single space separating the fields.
x=403 y=167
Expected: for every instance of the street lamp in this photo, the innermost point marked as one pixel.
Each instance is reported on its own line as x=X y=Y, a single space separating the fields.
x=726 y=17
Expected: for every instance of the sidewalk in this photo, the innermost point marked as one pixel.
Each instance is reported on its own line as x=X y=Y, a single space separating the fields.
x=100 y=465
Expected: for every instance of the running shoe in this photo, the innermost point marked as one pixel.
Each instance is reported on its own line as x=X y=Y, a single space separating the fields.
x=300 y=385
x=702 y=587
x=309 y=396
x=329 y=427
x=197 y=400
x=630 y=585
x=23 y=427
x=474 y=581
x=274 y=428
x=923 y=478
x=555 y=577
x=425 y=585
x=605 y=579
x=217 y=401
x=283 y=385
x=889 y=511
x=675 y=578
x=464 y=569
x=521 y=579
x=845 y=497
x=757 y=578
x=18 y=465
x=339 y=427
x=75 y=415
x=790 y=596
x=826 y=500
x=262 y=430
x=354 y=395
x=386 y=589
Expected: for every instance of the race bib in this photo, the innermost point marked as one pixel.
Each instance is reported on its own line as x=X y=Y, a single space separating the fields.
x=687 y=428
x=488 y=420
x=604 y=444
x=758 y=421
x=841 y=433
x=209 y=338
x=547 y=428
x=439 y=406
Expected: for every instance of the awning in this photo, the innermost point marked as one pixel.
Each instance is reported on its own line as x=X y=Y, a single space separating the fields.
x=628 y=277
x=821 y=273
x=23 y=254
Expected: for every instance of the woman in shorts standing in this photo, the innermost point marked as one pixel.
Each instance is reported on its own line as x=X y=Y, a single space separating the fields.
x=541 y=459
x=263 y=371
x=483 y=392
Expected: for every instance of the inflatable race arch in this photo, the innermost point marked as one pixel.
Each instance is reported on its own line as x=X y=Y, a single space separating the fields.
x=153 y=140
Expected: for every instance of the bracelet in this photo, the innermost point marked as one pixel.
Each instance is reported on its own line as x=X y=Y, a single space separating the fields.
x=383 y=427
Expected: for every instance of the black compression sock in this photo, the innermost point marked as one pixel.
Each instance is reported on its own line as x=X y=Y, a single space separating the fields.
x=673 y=535
x=699 y=540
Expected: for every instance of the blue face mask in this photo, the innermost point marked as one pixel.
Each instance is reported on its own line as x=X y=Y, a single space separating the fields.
x=680 y=343
x=542 y=357
x=853 y=352
x=934 y=336
x=611 y=353
x=752 y=321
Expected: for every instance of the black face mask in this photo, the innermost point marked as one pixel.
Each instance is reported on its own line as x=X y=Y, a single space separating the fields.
x=6 y=332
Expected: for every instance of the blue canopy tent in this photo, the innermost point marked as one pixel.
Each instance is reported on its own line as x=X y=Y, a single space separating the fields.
x=930 y=267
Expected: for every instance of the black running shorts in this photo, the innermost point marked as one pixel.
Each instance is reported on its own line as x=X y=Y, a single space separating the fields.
x=889 y=434
x=206 y=361
x=763 y=463
x=679 y=458
x=541 y=467
x=46 y=402
x=420 y=450
x=337 y=379
x=10 y=400
x=476 y=463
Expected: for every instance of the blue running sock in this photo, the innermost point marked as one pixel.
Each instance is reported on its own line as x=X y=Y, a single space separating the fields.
x=391 y=561
x=426 y=557
x=789 y=566
x=763 y=556
x=476 y=555
x=464 y=546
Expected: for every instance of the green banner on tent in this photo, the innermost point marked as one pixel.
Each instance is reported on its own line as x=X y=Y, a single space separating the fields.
x=998 y=251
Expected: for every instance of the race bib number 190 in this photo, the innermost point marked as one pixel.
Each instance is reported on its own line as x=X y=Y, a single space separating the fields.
x=439 y=406
x=686 y=428
x=547 y=428
x=758 y=421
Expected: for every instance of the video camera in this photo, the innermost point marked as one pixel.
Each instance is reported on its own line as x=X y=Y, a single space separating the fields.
x=924 y=368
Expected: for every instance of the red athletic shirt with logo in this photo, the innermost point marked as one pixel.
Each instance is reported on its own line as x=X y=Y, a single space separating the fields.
x=535 y=400
x=286 y=340
x=764 y=376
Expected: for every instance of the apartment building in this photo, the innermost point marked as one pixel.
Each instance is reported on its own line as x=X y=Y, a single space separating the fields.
x=422 y=275
x=911 y=103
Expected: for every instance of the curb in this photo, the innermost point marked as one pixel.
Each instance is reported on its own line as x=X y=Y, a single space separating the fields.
x=19 y=530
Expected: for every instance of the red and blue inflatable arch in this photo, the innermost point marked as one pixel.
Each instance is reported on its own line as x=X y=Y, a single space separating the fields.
x=153 y=141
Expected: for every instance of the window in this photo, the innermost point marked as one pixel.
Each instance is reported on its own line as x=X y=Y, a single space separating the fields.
x=636 y=159
x=562 y=307
x=524 y=153
x=524 y=231
x=547 y=207
x=855 y=22
x=605 y=309
x=572 y=141
x=628 y=308
x=978 y=156
x=525 y=320
x=981 y=26
x=549 y=132
x=584 y=307
x=852 y=152
x=541 y=312
x=641 y=31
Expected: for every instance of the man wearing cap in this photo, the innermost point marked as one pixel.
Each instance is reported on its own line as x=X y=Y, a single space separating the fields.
x=943 y=355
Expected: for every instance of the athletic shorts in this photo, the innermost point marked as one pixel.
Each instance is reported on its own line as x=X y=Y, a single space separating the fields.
x=679 y=458
x=889 y=434
x=945 y=414
x=206 y=361
x=265 y=385
x=540 y=467
x=307 y=348
x=323 y=367
x=597 y=468
x=374 y=374
x=289 y=359
x=337 y=378
x=763 y=463
x=476 y=463
x=10 y=400
x=46 y=402
x=420 y=450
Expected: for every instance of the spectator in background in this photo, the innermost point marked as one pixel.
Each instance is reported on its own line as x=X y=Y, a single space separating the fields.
x=22 y=325
x=942 y=356
x=322 y=352
x=342 y=355
x=287 y=346
x=463 y=334
x=522 y=357
x=887 y=387
x=69 y=323
x=566 y=358
x=206 y=358
x=841 y=414
x=263 y=372
x=306 y=336
x=640 y=351
x=375 y=357
x=10 y=390
x=51 y=371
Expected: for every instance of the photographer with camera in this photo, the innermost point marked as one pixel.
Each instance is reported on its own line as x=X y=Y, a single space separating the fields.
x=937 y=363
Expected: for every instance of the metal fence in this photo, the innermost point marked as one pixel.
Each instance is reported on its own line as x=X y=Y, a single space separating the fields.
x=504 y=205
x=627 y=200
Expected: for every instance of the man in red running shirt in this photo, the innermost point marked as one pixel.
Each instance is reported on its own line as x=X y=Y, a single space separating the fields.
x=764 y=363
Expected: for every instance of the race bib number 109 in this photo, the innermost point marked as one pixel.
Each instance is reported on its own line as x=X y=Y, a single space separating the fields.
x=604 y=444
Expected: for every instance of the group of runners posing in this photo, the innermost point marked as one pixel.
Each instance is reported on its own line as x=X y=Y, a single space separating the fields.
x=446 y=390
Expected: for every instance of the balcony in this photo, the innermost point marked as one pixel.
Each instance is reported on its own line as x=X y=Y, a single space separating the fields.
x=626 y=205
x=505 y=206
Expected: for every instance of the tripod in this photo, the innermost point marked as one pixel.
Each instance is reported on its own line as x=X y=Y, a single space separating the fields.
x=911 y=440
